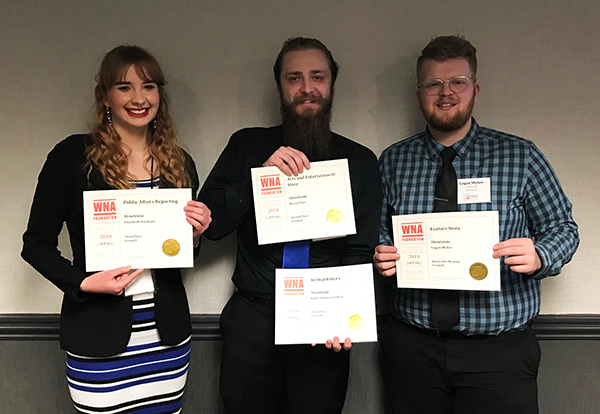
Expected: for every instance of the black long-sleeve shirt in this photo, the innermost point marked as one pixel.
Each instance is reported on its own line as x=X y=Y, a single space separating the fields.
x=228 y=193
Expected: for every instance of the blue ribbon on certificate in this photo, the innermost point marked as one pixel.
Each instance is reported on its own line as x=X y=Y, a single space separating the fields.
x=296 y=254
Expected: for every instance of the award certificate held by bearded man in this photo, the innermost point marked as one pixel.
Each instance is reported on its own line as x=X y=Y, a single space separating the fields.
x=447 y=250
x=316 y=304
x=140 y=228
x=315 y=204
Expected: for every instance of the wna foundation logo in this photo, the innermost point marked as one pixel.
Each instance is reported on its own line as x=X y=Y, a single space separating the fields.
x=412 y=231
x=270 y=184
x=293 y=286
x=105 y=209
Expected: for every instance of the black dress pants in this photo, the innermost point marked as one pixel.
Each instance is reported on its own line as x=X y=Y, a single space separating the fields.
x=456 y=374
x=258 y=377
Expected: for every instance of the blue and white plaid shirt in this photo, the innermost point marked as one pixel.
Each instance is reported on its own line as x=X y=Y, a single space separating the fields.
x=530 y=201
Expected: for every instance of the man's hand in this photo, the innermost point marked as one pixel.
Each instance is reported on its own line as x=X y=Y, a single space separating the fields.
x=289 y=160
x=198 y=215
x=336 y=345
x=385 y=259
x=111 y=281
x=520 y=255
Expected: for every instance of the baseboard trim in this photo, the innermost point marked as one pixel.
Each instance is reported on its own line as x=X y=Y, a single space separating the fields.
x=205 y=327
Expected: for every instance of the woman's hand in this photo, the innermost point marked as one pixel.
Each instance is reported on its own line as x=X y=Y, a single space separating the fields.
x=198 y=215
x=111 y=281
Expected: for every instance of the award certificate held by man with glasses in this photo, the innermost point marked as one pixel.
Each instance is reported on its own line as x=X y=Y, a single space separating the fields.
x=447 y=250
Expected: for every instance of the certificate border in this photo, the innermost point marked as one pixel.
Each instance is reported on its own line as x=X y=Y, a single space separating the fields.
x=262 y=240
x=91 y=266
x=424 y=217
x=368 y=301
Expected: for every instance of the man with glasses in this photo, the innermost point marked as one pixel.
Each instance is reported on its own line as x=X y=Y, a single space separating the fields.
x=469 y=351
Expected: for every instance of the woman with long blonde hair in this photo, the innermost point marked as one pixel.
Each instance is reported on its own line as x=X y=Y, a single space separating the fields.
x=126 y=333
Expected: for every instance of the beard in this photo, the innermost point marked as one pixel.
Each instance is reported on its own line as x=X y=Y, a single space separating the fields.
x=456 y=122
x=308 y=132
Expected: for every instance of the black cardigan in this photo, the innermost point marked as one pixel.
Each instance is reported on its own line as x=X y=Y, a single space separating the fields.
x=91 y=324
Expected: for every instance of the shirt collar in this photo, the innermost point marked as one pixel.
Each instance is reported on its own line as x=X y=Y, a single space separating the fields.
x=462 y=147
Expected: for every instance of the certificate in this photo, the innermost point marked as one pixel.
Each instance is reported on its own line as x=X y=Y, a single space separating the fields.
x=140 y=228
x=447 y=250
x=313 y=205
x=314 y=305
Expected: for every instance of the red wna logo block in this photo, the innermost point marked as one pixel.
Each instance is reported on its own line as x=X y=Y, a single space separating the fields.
x=105 y=209
x=412 y=231
x=270 y=184
x=293 y=286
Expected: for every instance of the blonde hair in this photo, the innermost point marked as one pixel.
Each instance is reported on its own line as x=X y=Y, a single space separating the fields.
x=105 y=152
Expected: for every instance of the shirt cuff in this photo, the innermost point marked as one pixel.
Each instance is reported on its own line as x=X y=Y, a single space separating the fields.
x=543 y=271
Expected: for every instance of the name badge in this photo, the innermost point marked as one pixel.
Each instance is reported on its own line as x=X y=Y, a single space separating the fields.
x=474 y=190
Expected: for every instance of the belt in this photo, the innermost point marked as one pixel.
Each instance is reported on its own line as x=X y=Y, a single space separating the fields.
x=256 y=299
x=437 y=333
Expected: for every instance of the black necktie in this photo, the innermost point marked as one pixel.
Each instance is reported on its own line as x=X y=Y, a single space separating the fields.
x=444 y=303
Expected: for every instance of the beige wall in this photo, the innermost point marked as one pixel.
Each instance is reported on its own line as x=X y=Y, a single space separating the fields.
x=539 y=77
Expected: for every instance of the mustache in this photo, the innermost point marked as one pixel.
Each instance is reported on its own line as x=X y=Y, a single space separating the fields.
x=300 y=99
x=446 y=101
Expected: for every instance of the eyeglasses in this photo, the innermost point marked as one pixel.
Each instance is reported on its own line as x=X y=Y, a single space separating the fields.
x=435 y=86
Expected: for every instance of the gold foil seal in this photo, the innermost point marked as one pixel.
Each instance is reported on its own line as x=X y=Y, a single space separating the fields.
x=478 y=271
x=355 y=322
x=334 y=216
x=171 y=247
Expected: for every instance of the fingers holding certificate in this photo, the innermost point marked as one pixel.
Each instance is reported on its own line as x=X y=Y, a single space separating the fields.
x=112 y=281
x=289 y=160
x=385 y=259
x=337 y=345
x=520 y=255
x=199 y=217
x=444 y=251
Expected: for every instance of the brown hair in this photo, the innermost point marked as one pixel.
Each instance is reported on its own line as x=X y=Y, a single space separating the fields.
x=295 y=44
x=105 y=151
x=449 y=47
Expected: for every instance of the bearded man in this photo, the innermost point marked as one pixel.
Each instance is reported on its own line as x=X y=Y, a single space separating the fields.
x=469 y=351
x=256 y=375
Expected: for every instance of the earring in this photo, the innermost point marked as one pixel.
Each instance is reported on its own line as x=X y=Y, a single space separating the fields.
x=154 y=124
x=108 y=116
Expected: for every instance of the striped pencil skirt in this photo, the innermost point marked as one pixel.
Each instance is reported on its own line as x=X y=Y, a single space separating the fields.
x=148 y=378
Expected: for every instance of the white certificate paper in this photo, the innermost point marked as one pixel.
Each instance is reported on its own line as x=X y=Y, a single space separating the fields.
x=140 y=228
x=314 y=305
x=314 y=205
x=447 y=250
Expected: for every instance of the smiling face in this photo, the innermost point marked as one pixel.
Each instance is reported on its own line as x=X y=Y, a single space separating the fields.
x=447 y=111
x=133 y=102
x=305 y=81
